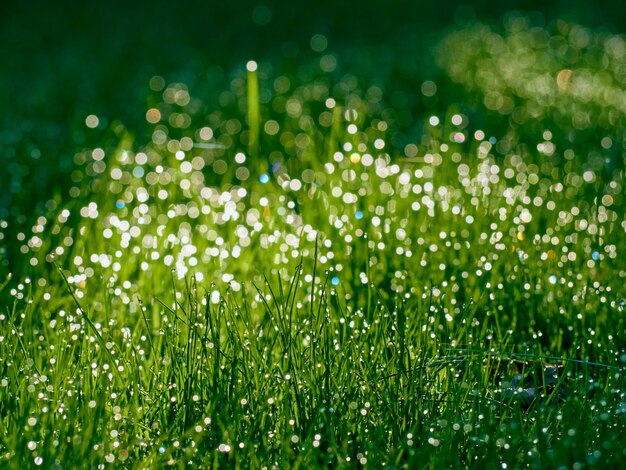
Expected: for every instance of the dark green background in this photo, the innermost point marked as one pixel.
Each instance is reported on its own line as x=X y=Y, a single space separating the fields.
x=63 y=60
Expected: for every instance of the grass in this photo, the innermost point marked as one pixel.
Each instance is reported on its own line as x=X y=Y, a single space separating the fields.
x=269 y=283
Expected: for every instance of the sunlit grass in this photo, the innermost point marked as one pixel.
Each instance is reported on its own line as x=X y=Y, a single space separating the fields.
x=270 y=282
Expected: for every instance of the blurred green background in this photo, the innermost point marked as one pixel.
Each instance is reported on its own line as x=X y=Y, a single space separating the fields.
x=64 y=60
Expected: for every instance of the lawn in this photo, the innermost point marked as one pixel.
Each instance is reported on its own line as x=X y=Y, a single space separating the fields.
x=293 y=262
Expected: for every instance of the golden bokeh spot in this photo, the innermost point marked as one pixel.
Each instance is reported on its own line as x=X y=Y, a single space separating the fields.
x=563 y=78
x=153 y=115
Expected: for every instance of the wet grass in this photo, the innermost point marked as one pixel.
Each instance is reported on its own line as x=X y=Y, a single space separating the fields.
x=270 y=282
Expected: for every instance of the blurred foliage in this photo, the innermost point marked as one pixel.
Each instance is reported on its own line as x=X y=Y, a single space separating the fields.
x=64 y=60
x=564 y=78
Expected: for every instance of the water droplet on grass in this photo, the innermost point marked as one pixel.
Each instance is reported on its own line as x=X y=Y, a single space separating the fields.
x=458 y=137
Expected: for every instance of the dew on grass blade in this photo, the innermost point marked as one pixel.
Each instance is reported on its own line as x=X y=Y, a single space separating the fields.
x=92 y=121
x=463 y=232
